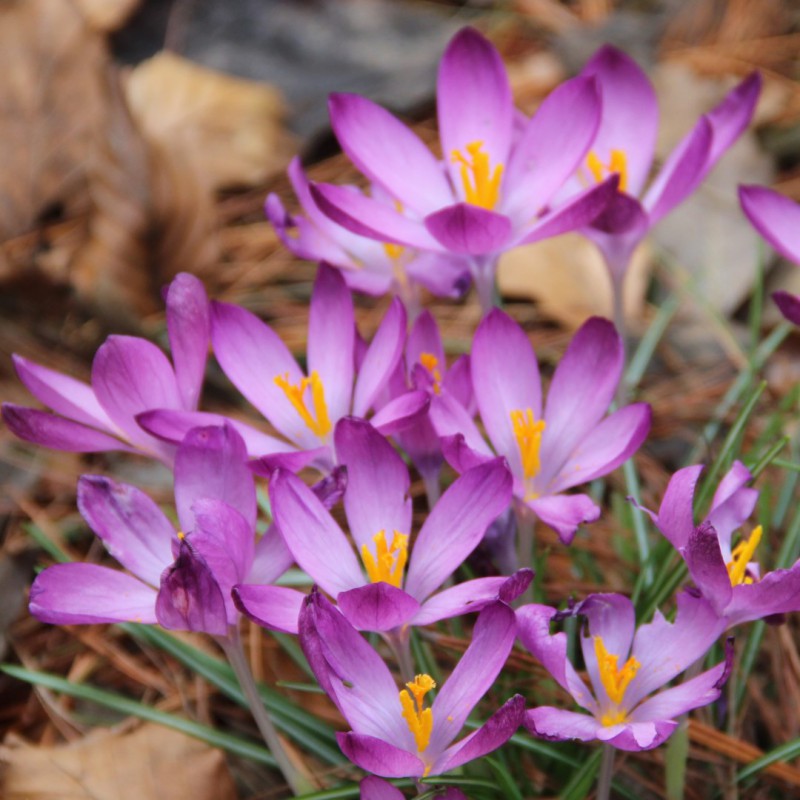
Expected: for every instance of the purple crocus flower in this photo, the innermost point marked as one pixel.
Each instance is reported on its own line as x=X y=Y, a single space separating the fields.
x=367 y=265
x=397 y=734
x=777 y=219
x=622 y=709
x=495 y=189
x=129 y=376
x=726 y=575
x=304 y=408
x=569 y=443
x=374 y=788
x=372 y=587
x=625 y=145
x=179 y=579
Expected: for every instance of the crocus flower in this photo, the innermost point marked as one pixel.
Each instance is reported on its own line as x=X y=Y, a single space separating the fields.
x=625 y=145
x=777 y=219
x=304 y=408
x=397 y=734
x=728 y=576
x=374 y=788
x=129 y=375
x=569 y=443
x=367 y=265
x=180 y=579
x=625 y=669
x=495 y=189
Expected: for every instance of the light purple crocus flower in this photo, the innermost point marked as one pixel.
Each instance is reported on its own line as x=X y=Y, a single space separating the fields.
x=304 y=408
x=129 y=376
x=622 y=709
x=179 y=579
x=569 y=443
x=777 y=219
x=397 y=734
x=625 y=146
x=494 y=189
x=367 y=265
x=728 y=576
x=381 y=595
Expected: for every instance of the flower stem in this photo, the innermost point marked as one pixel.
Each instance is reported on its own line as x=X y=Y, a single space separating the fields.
x=400 y=643
x=525 y=546
x=484 y=270
x=433 y=488
x=606 y=773
x=232 y=646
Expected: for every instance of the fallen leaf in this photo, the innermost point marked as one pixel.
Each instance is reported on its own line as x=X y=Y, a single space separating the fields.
x=150 y=763
x=107 y=15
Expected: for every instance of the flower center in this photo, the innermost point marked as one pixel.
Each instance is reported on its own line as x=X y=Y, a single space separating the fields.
x=431 y=363
x=618 y=162
x=389 y=560
x=615 y=680
x=528 y=433
x=318 y=422
x=740 y=558
x=418 y=719
x=394 y=251
x=481 y=184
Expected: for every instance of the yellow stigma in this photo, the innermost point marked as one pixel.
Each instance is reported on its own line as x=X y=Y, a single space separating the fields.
x=618 y=162
x=319 y=423
x=181 y=536
x=431 y=363
x=615 y=680
x=418 y=719
x=481 y=185
x=394 y=251
x=740 y=558
x=389 y=561
x=528 y=433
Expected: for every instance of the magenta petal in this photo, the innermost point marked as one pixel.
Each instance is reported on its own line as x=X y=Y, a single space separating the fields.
x=460 y=456
x=565 y=512
x=132 y=527
x=707 y=566
x=67 y=396
x=379 y=757
x=775 y=217
x=675 y=517
x=377 y=497
x=452 y=421
x=388 y=152
x=212 y=463
x=730 y=117
x=778 y=592
x=473 y=99
x=401 y=413
x=456 y=525
x=331 y=339
x=463 y=598
x=373 y=788
x=788 y=305
x=273 y=607
x=293 y=461
x=189 y=328
x=271 y=558
x=85 y=594
x=377 y=607
x=465 y=229
x=424 y=337
x=58 y=433
x=494 y=733
x=637 y=736
x=558 y=725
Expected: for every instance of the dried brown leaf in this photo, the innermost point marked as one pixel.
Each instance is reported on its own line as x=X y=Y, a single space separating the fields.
x=107 y=15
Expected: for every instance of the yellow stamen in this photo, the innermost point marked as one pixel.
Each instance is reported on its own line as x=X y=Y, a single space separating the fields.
x=181 y=536
x=613 y=718
x=321 y=426
x=615 y=680
x=618 y=162
x=418 y=719
x=431 y=363
x=394 y=251
x=389 y=561
x=528 y=433
x=740 y=557
x=481 y=185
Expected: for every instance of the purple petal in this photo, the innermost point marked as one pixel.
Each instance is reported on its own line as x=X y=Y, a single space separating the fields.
x=565 y=512
x=424 y=337
x=460 y=456
x=377 y=497
x=441 y=274
x=273 y=607
x=331 y=339
x=775 y=217
x=637 y=736
x=730 y=487
x=379 y=757
x=474 y=101
x=212 y=463
x=292 y=461
x=190 y=598
x=189 y=328
x=58 y=433
x=732 y=116
x=456 y=525
x=778 y=592
x=401 y=413
x=707 y=566
x=558 y=725
x=463 y=598
x=315 y=540
x=132 y=527
x=388 y=152
x=453 y=422
x=788 y=305
x=373 y=788
x=85 y=594
x=675 y=517
x=377 y=607
x=271 y=558
x=466 y=229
